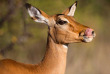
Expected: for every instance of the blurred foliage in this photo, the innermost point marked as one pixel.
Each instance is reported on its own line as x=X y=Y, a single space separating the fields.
x=24 y=40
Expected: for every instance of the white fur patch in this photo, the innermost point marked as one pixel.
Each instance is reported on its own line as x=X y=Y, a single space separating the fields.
x=65 y=46
x=30 y=13
x=88 y=39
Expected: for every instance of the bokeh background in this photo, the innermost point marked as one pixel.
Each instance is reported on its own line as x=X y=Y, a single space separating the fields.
x=24 y=40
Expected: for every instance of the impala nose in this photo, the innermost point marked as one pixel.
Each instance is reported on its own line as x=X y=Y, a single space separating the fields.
x=89 y=32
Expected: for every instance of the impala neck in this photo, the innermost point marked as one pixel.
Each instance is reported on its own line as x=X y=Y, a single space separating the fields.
x=55 y=57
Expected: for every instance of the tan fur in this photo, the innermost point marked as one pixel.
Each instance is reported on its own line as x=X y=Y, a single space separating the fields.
x=54 y=61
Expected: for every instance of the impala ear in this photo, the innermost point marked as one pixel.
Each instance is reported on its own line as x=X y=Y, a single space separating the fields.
x=36 y=14
x=71 y=10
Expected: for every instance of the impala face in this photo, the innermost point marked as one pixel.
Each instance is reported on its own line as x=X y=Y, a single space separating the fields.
x=66 y=30
x=62 y=27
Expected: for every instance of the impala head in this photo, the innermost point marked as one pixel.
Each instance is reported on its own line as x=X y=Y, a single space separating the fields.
x=63 y=28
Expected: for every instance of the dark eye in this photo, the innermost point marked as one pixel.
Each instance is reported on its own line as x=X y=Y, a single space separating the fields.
x=61 y=22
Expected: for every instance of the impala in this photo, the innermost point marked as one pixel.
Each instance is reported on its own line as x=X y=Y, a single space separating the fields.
x=62 y=30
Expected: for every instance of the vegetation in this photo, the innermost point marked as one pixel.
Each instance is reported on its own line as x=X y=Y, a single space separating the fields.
x=24 y=40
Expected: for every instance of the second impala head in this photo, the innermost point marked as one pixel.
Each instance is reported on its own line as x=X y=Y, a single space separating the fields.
x=63 y=28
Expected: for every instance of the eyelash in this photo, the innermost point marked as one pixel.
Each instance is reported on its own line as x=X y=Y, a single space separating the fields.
x=61 y=22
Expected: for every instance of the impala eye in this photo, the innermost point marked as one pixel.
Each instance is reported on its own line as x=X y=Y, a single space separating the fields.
x=61 y=22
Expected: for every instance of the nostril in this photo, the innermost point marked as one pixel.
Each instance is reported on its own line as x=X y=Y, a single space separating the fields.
x=92 y=32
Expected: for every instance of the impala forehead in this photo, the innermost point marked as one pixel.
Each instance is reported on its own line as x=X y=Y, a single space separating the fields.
x=69 y=19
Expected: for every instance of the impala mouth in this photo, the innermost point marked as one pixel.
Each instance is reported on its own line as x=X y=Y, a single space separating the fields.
x=88 y=39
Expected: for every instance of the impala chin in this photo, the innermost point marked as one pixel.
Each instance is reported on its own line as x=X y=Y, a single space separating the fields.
x=88 y=39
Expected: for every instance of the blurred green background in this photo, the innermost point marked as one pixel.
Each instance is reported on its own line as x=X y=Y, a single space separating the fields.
x=24 y=40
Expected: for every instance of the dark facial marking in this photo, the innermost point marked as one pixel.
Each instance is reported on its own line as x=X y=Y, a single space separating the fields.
x=59 y=14
x=27 y=5
x=61 y=22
